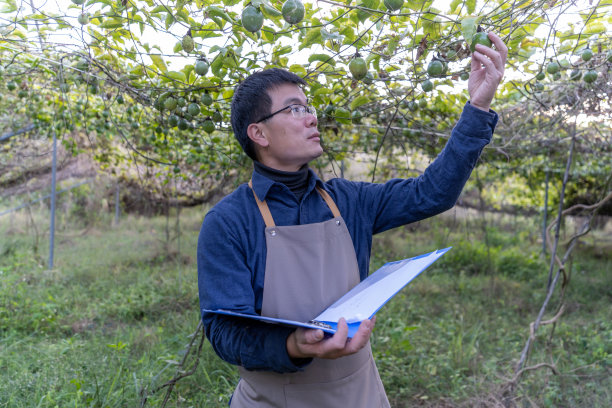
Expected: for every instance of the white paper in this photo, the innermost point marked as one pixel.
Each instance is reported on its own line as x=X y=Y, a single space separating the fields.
x=366 y=298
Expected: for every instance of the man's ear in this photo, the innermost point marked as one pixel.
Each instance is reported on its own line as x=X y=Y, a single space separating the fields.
x=256 y=134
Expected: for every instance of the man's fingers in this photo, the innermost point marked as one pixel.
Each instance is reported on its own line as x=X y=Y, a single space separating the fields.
x=500 y=46
x=313 y=336
x=360 y=339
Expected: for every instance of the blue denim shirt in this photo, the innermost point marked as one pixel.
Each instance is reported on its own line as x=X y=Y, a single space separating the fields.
x=232 y=247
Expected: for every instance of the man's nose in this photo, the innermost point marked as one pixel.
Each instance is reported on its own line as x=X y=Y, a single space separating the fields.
x=311 y=120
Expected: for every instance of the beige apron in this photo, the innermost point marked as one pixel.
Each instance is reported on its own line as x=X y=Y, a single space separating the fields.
x=308 y=267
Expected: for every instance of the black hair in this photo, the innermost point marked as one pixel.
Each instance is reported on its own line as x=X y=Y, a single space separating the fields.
x=252 y=102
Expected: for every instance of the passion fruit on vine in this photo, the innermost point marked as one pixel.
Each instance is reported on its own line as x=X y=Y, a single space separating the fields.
x=293 y=11
x=183 y=124
x=193 y=109
x=83 y=18
x=427 y=85
x=480 y=38
x=170 y=103
x=540 y=76
x=208 y=126
x=590 y=76
x=552 y=68
x=201 y=67
x=435 y=68
x=358 y=68
x=11 y=85
x=586 y=54
x=252 y=18
x=575 y=75
x=393 y=5
x=187 y=43
x=206 y=99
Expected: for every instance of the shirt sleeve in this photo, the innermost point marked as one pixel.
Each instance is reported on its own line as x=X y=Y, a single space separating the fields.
x=224 y=282
x=402 y=201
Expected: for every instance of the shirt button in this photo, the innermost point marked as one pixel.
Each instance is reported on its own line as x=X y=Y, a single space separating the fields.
x=273 y=233
x=337 y=222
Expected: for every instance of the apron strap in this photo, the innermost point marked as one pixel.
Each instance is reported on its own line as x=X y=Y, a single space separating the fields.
x=263 y=208
x=330 y=203
x=267 y=215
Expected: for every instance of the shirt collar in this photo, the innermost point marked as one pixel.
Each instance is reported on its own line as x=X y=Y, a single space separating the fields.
x=262 y=184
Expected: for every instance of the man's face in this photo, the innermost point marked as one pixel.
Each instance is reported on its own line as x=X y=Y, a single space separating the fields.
x=291 y=142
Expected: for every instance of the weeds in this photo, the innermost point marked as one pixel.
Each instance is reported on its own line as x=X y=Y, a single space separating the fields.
x=115 y=315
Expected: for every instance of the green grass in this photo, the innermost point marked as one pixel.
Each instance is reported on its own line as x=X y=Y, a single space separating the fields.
x=116 y=313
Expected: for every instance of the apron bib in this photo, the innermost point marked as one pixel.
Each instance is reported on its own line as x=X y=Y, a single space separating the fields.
x=308 y=267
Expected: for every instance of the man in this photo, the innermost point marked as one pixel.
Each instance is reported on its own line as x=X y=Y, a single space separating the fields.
x=287 y=245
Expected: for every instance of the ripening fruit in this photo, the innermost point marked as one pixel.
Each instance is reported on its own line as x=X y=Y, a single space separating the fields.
x=575 y=75
x=358 y=68
x=480 y=38
x=193 y=109
x=435 y=68
x=201 y=67
x=83 y=19
x=183 y=124
x=78 y=2
x=217 y=117
x=393 y=5
x=252 y=18
x=11 y=86
x=181 y=102
x=293 y=11
x=170 y=103
x=208 y=126
x=540 y=76
x=464 y=76
x=206 y=99
x=586 y=54
x=173 y=120
x=427 y=85
x=590 y=76
x=120 y=99
x=187 y=43
x=552 y=68
x=356 y=116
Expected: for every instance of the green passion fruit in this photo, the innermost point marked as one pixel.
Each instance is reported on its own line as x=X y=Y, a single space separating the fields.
x=193 y=109
x=427 y=85
x=252 y=18
x=293 y=11
x=201 y=67
x=586 y=54
x=208 y=126
x=552 y=68
x=480 y=38
x=206 y=99
x=187 y=43
x=358 y=68
x=590 y=76
x=435 y=68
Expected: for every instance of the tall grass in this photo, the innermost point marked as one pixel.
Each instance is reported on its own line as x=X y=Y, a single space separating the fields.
x=114 y=316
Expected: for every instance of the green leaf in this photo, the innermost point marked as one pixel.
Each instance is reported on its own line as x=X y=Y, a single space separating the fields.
x=112 y=23
x=471 y=6
x=159 y=62
x=175 y=75
x=321 y=57
x=468 y=27
x=298 y=70
x=359 y=101
x=312 y=36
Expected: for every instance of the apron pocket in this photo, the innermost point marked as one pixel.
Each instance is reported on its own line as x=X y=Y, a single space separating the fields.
x=362 y=389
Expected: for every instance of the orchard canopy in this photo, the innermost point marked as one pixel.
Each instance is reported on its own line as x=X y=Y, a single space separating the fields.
x=149 y=82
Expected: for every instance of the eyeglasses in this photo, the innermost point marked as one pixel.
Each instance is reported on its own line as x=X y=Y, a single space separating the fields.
x=297 y=110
